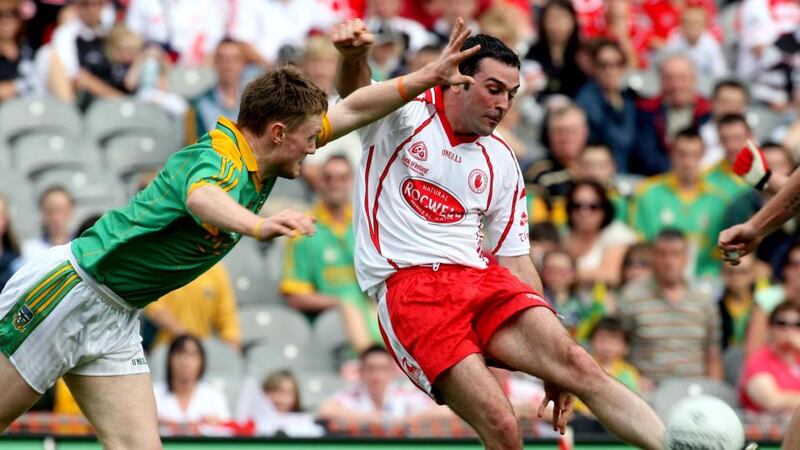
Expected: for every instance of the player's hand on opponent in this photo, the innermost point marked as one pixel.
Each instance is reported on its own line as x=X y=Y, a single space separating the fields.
x=286 y=223
x=352 y=38
x=751 y=165
x=562 y=406
x=445 y=68
x=738 y=241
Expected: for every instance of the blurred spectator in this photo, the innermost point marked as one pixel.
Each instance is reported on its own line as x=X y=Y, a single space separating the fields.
x=660 y=118
x=579 y=310
x=734 y=132
x=78 y=46
x=729 y=97
x=122 y=48
x=267 y=26
x=673 y=323
x=16 y=55
x=222 y=99
x=694 y=39
x=56 y=207
x=275 y=407
x=770 y=381
x=779 y=83
x=202 y=308
x=525 y=394
x=637 y=264
x=319 y=61
x=184 y=397
x=774 y=246
x=319 y=270
x=736 y=300
x=597 y=164
x=550 y=178
x=381 y=397
x=544 y=238
x=43 y=19
x=504 y=23
x=9 y=247
x=665 y=16
x=621 y=23
x=189 y=30
x=386 y=54
x=452 y=10
x=595 y=239
x=767 y=299
x=386 y=13
x=761 y=23
x=790 y=137
x=609 y=346
x=682 y=199
x=423 y=56
x=550 y=66
x=610 y=107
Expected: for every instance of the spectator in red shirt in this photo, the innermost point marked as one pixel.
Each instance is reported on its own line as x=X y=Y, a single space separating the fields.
x=771 y=378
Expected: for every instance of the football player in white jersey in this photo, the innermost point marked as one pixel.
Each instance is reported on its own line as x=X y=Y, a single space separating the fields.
x=433 y=178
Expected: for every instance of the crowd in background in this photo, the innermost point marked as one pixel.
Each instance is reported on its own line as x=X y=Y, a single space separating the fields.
x=630 y=116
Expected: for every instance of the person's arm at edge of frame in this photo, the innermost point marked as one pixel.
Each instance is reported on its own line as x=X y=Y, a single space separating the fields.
x=353 y=42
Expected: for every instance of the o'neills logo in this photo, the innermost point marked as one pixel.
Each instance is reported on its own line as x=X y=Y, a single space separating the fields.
x=431 y=201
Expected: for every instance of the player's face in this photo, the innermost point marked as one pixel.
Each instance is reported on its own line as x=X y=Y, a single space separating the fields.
x=297 y=143
x=487 y=102
x=733 y=138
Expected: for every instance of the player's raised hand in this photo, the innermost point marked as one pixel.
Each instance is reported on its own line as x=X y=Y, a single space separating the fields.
x=285 y=223
x=562 y=406
x=352 y=39
x=446 y=66
x=738 y=241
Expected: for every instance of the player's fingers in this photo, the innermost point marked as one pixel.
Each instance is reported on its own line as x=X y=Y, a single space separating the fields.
x=358 y=24
x=464 y=54
x=457 y=27
x=542 y=406
x=276 y=228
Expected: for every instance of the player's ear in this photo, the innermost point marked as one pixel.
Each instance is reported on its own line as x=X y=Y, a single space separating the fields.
x=277 y=132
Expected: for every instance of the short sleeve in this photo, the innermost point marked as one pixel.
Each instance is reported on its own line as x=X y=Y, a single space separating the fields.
x=297 y=278
x=507 y=218
x=207 y=167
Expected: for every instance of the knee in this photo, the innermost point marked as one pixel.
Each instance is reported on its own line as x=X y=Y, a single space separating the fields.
x=583 y=369
x=503 y=431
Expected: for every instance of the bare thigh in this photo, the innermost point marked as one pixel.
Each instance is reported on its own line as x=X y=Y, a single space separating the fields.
x=121 y=408
x=473 y=392
x=16 y=396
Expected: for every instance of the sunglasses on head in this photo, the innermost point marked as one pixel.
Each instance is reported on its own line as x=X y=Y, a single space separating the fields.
x=785 y=323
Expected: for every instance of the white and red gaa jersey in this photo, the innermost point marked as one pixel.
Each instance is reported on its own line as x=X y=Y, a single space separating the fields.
x=425 y=196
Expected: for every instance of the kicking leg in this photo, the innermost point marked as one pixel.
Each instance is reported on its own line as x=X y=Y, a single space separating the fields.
x=472 y=392
x=121 y=408
x=792 y=439
x=16 y=396
x=536 y=343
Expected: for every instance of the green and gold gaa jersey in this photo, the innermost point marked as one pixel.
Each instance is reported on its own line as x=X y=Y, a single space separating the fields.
x=155 y=245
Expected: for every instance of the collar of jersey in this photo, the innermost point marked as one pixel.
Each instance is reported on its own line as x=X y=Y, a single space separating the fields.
x=325 y=217
x=686 y=196
x=455 y=139
x=229 y=128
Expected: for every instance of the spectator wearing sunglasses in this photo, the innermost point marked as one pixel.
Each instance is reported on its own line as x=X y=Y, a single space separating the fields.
x=16 y=56
x=771 y=378
x=594 y=239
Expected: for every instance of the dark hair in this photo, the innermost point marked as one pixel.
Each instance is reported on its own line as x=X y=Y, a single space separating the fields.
x=88 y=223
x=782 y=307
x=491 y=47
x=730 y=119
x=670 y=234
x=271 y=383
x=179 y=344
x=374 y=349
x=609 y=324
x=283 y=94
x=574 y=41
x=690 y=132
x=787 y=256
x=633 y=249
x=731 y=84
x=775 y=146
x=9 y=238
x=544 y=231
x=599 y=44
x=600 y=191
x=53 y=190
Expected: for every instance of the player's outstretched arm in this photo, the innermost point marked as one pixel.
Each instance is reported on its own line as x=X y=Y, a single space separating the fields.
x=215 y=207
x=741 y=239
x=370 y=103
x=353 y=41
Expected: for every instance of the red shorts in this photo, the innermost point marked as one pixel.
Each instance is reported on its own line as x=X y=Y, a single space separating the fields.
x=430 y=320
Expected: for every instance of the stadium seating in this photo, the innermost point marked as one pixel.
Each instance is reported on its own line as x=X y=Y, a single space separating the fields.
x=671 y=391
x=329 y=338
x=273 y=323
x=33 y=154
x=189 y=82
x=37 y=116
x=110 y=118
x=316 y=387
x=126 y=155
x=268 y=357
x=248 y=272
x=764 y=121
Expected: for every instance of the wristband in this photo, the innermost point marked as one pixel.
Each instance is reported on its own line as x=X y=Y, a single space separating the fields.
x=401 y=89
x=257 y=229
